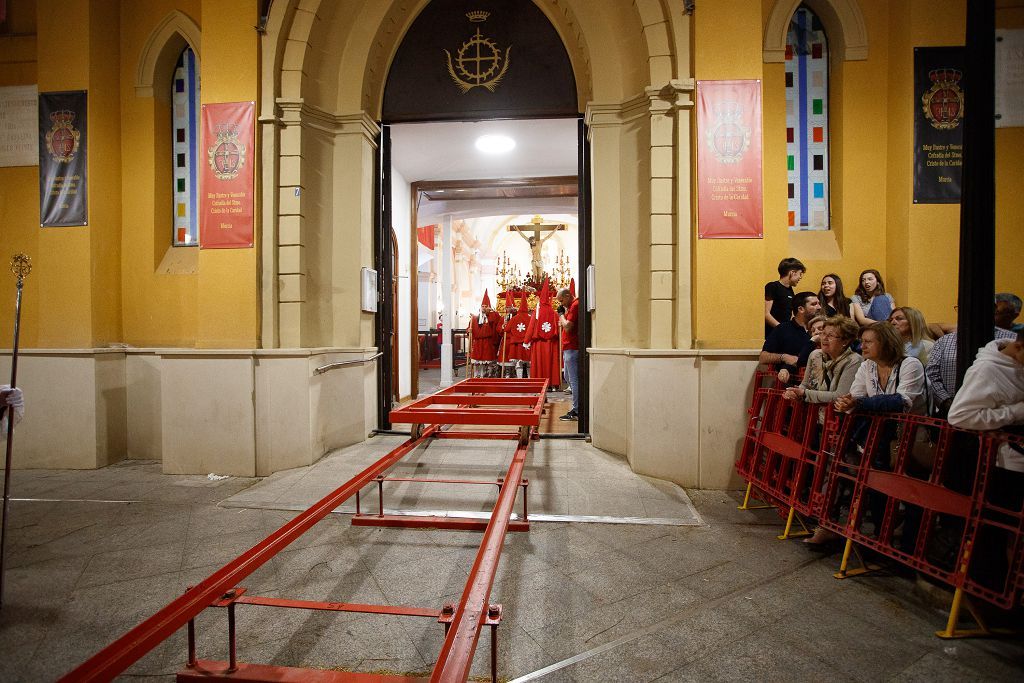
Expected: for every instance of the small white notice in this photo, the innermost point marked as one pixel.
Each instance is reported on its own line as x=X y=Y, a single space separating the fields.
x=19 y=126
x=1009 y=78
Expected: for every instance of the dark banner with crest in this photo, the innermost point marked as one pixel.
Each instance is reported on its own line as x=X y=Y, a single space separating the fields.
x=466 y=59
x=938 y=124
x=63 y=193
x=226 y=201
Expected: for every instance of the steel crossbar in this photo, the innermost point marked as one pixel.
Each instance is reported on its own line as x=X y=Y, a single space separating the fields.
x=463 y=622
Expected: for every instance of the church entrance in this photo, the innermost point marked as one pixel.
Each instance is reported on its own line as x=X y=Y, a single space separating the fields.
x=483 y=176
x=473 y=222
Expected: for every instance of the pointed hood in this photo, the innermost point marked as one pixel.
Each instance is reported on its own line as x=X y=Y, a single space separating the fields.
x=486 y=301
x=572 y=287
x=510 y=301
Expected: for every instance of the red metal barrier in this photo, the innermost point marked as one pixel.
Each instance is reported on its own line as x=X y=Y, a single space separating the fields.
x=786 y=454
x=912 y=489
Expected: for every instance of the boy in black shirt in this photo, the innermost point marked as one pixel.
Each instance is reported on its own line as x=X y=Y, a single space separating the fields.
x=778 y=294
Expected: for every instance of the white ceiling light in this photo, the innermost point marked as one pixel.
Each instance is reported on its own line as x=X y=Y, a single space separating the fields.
x=495 y=144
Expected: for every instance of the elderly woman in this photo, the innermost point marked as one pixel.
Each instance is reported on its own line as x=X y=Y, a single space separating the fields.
x=830 y=373
x=830 y=369
x=909 y=322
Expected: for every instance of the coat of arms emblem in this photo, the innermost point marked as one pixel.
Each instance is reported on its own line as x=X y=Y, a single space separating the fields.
x=226 y=155
x=478 y=61
x=728 y=139
x=63 y=138
x=943 y=103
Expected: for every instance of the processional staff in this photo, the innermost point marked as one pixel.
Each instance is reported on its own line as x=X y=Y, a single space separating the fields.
x=21 y=266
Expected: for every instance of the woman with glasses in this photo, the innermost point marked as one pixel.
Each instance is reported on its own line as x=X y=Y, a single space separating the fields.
x=829 y=374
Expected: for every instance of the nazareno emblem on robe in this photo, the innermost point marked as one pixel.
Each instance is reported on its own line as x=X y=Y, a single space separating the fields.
x=478 y=61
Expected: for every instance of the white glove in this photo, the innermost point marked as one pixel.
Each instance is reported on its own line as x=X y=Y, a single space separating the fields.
x=14 y=400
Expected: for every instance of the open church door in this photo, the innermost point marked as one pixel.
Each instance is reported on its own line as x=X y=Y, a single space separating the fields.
x=585 y=241
x=383 y=260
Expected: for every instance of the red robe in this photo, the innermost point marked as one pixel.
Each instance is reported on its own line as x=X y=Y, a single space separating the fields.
x=498 y=327
x=515 y=335
x=482 y=348
x=545 y=354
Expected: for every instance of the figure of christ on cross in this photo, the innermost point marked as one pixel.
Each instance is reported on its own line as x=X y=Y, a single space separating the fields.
x=536 y=242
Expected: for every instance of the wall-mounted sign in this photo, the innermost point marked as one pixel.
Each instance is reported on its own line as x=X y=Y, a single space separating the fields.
x=729 y=196
x=63 y=150
x=19 y=125
x=938 y=124
x=227 y=159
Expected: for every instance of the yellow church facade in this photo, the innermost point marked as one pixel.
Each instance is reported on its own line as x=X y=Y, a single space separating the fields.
x=208 y=359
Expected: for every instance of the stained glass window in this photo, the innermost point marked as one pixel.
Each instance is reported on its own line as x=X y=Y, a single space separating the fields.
x=807 y=135
x=185 y=141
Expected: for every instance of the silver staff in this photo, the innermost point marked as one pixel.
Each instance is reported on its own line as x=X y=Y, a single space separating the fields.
x=21 y=266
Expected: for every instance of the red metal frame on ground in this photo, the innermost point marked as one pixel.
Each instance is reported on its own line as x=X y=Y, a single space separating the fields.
x=462 y=622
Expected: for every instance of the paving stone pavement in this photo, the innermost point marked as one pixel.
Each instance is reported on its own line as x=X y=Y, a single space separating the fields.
x=706 y=593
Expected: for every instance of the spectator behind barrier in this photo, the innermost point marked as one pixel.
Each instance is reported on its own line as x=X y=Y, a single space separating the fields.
x=832 y=297
x=870 y=303
x=829 y=374
x=887 y=380
x=778 y=294
x=814 y=327
x=1007 y=309
x=830 y=370
x=786 y=341
x=992 y=397
x=12 y=400
x=909 y=322
x=941 y=368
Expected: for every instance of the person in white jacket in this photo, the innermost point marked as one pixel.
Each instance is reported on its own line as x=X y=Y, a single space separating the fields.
x=992 y=397
x=14 y=402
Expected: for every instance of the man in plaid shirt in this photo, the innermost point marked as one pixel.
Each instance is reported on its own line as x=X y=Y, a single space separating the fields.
x=941 y=369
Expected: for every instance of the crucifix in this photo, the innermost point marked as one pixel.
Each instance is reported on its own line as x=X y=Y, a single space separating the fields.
x=536 y=242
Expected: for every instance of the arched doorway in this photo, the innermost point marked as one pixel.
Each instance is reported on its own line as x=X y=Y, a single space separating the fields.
x=476 y=62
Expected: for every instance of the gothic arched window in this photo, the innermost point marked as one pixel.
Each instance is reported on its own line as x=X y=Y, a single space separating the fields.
x=185 y=142
x=807 y=134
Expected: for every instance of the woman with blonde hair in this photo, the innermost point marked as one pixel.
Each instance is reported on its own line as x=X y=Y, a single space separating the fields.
x=913 y=329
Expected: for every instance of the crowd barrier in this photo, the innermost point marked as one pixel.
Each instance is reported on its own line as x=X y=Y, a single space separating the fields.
x=909 y=488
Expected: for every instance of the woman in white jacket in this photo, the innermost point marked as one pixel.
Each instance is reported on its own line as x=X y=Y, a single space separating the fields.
x=992 y=397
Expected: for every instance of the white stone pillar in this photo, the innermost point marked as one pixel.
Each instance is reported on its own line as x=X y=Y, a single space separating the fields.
x=449 y=305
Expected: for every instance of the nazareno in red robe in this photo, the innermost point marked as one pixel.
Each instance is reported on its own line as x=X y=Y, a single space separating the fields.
x=515 y=335
x=483 y=348
x=543 y=337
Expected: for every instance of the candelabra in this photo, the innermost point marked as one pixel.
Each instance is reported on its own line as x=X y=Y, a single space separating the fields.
x=562 y=271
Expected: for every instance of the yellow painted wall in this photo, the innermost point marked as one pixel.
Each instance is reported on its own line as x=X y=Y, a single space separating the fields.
x=160 y=282
x=19 y=219
x=63 y=272
x=875 y=223
x=726 y=306
x=228 y=296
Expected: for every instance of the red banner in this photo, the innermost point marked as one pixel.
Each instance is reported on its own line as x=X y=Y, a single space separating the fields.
x=425 y=235
x=226 y=183
x=729 y=194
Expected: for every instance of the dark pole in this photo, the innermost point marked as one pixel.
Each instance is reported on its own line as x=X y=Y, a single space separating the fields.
x=978 y=199
x=21 y=265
